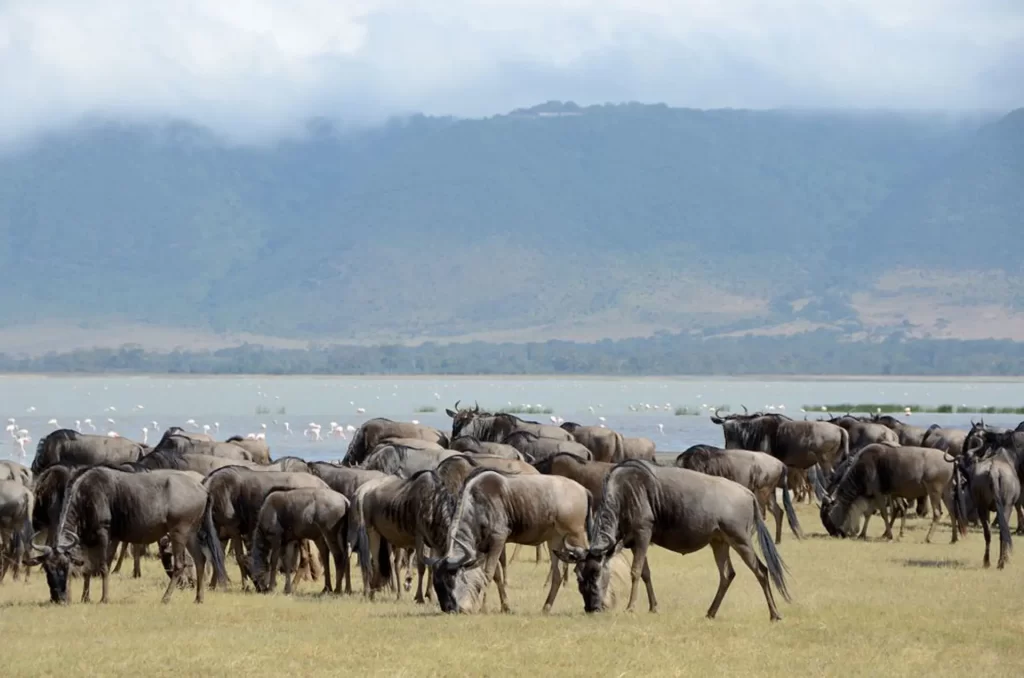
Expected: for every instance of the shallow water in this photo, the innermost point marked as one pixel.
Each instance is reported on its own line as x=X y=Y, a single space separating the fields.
x=134 y=402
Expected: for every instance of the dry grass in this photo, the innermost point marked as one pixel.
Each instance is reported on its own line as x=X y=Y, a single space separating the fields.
x=860 y=609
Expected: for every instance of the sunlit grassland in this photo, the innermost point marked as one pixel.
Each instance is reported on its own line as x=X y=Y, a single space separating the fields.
x=860 y=609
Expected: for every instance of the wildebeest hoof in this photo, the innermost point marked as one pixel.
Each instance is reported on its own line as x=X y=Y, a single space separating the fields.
x=776 y=618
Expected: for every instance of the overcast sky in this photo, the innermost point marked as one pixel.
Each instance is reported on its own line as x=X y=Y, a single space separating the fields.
x=256 y=70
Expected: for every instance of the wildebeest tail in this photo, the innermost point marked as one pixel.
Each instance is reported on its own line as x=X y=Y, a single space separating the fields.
x=776 y=567
x=787 y=503
x=210 y=542
x=37 y=461
x=844 y=437
x=361 y=546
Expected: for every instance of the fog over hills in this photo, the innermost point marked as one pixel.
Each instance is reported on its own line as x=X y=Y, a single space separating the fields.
x=556 y=221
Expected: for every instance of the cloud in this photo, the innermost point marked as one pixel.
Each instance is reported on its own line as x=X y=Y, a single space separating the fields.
x=259 y=69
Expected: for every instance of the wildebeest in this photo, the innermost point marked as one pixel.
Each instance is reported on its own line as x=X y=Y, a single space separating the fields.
x=188 y=444
x=203 y=464
x=413 y=513
x=993 y=485
x=879 y=473
x=103 y=506
x=982 y=440
x=49 y=498
x=589 y=474
x=496 y=508
x=372 y=432
x=910 y=436
x=497 y=427
x=258 y=449
x=682 y=511
x=286 y=518
x=80 y=449
x=16 y=505
x=536 y=448
x=604 y=443
x=288 y=465
x=346 y=480
x=639 y=448
x=863 y=433
x=236 y=495
x=405 y=461
x=12 y=470
x=799 y=444
x=759 y=472
x=417 y=443
x=472 y=445
x=949 y=439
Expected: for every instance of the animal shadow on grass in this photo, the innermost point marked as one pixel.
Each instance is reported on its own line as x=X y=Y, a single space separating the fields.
x=943 y=563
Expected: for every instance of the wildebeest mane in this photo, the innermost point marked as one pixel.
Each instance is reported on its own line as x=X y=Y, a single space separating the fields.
x=235 y=439
x=570 y=426
x=706 y=459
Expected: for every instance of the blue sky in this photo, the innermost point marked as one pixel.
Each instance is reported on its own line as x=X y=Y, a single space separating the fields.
x=257 y=70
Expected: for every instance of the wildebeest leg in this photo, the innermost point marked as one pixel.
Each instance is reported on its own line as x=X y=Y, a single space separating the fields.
x=236 y=544
x=1020 y=517
x=105 y=575
x=291 y=556
x=199 y=560
x=645 y=575
x=726 y=574
x=640 y=546
x=987 y=530
x=515 y=551
x=935 y=499
x=777 y=512
x=540 y=550
x=275 y=564
x=138 y=550
x=177 y=567
x=86 y=578
x=420 y=569
x=325 y=560
x=745 y=550
x=556 y=578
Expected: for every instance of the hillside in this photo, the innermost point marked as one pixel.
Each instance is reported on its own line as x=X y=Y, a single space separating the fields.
x=552 y=222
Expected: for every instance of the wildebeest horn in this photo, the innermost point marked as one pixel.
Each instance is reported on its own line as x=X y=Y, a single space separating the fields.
x=745 y=410
x=430 y=561
x=71 y=544
x=476 y=406
x=570 y=554
x=457 y=404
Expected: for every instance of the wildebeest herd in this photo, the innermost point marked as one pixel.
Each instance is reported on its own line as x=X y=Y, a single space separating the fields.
x=407 y=495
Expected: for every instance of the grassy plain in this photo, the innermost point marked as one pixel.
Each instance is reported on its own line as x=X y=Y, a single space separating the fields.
x=860 y=609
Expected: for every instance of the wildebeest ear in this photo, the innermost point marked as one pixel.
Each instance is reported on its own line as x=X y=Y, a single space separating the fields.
x=449 y=413
x=716 y=420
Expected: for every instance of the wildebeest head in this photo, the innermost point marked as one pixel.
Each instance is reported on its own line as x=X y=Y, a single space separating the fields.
x=462 y=417
x=458 y=583
x=593 y=573
x=57 y=563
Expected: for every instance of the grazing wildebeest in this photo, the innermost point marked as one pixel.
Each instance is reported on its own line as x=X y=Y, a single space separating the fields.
x=258 y=449
x=103 y=506
x=404 y=461
x=863 y=433
x=798 y=444
x=188 y=444
x=497 y=427
x=49 y=498
x=372 y=432
x=288 y=517
x=496 y=508
x=759 y=472
x=682 y=511
x=471 y=445
x=71 y=447
x=992 y=485
x=880 y=473
x=12 y=470
x=16 y=506
x=536 y=448
x=346 y=480
x=236 y=495
x=910 y=436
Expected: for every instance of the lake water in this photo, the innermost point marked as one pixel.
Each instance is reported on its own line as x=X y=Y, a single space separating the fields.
x=243 y=404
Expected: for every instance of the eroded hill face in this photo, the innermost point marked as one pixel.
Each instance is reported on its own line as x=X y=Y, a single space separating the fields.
x=611 y=222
